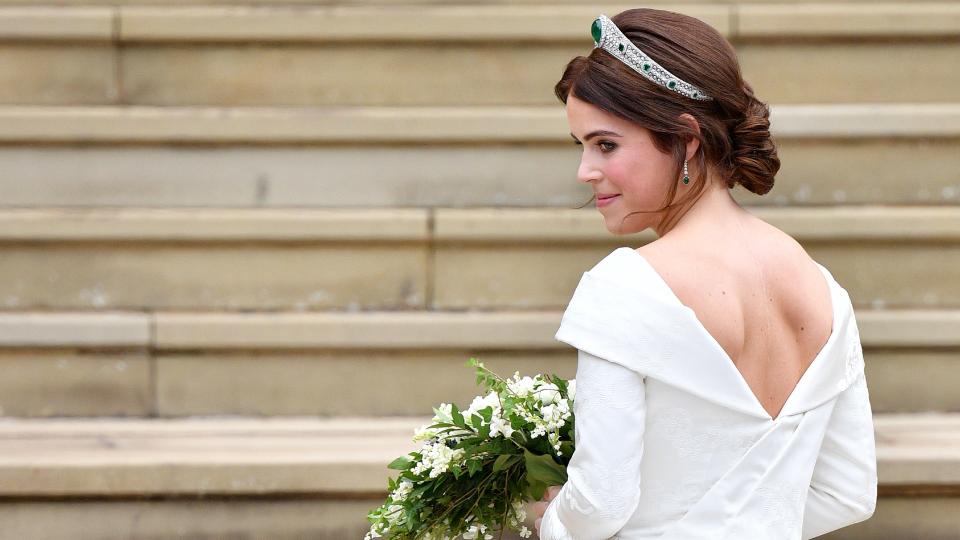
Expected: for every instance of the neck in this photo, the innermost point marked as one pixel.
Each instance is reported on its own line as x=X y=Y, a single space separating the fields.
x=710 y=212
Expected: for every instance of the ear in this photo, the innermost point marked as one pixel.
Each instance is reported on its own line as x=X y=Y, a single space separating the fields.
x=693 y=144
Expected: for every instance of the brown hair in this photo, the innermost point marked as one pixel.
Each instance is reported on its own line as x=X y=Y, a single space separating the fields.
x=734 y=127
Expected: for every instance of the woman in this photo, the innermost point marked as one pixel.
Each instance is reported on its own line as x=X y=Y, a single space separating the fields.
x=720 y=384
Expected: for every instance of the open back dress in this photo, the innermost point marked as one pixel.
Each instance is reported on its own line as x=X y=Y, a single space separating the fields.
x=671 y=442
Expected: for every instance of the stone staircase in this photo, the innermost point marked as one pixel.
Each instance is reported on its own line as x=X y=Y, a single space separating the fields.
x=310 y=478
x=245 y=248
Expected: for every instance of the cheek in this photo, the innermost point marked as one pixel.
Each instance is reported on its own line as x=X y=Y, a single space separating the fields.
x=640 y=179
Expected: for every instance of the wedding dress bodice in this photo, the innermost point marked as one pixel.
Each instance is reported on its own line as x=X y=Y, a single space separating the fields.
x=671 y=442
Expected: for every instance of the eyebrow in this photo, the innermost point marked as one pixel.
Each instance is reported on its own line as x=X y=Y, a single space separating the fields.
x=597 y=133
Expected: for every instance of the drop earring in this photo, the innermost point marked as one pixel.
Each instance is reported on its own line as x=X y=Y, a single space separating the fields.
x=686 y=173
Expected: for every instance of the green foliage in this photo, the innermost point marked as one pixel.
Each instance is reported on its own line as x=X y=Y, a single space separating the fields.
x=457 y=417
x=504 y=461
x=488 y=477
x=400 y=464
x=543 y=468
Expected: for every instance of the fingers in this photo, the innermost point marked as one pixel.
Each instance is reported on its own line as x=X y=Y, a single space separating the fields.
x=550 y=493
x=539 y=507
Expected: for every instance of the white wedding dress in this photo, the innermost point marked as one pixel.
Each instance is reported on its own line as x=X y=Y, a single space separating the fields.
x=671 y=442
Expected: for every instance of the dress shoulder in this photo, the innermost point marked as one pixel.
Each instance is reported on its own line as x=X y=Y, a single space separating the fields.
x=617 y=313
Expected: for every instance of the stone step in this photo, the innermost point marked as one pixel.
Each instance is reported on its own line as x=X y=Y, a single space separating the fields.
x=432 y=156
x=414 y=259
x=173 y=364
x=417 y=3
x=610 y=8
x=481 y=54
x=317 y=478
x=428 y=124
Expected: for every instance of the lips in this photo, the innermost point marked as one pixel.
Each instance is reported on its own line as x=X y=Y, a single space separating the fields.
x=602 y=197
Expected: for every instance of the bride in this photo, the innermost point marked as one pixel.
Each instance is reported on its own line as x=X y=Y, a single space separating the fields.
x=720 y=383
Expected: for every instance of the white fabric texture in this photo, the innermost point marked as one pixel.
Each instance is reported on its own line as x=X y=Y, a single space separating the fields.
x=671 y=442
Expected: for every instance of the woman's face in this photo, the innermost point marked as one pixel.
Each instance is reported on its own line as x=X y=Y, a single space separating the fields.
x=619 y=158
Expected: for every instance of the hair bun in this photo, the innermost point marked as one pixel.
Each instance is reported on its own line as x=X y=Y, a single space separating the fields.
x=754 y=157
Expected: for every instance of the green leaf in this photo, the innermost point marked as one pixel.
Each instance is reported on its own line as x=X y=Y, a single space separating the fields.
x=533 y=490
x=473 y=466
x=457 y=417
x=543 y=468
x=402 y=463
x=501 y=462
x=411 y=518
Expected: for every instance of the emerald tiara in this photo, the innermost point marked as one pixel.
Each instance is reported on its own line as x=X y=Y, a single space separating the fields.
x=607 y=36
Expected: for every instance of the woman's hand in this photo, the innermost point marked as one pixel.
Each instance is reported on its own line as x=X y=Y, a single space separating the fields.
x=540 y=506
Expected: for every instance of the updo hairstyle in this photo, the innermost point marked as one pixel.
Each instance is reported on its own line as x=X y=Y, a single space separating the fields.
x=734 y=127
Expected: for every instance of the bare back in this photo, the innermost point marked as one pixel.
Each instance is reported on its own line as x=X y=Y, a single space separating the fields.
x=763 y=300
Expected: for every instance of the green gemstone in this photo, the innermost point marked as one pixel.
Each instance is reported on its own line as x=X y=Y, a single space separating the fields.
x=596 y=31
x=672 y=84
x=621 y=47
x=686 y=179
x=646 y=67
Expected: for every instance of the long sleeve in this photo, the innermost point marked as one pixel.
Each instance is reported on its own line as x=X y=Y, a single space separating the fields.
x=843 y=488
x=603 y=476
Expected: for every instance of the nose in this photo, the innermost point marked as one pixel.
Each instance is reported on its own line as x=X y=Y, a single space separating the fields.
x=586 y=172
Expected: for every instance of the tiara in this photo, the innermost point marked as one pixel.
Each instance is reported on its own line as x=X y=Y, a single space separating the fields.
x=607 y=36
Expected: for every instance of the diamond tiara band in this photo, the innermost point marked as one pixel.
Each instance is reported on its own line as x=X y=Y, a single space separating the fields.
x=607 y=36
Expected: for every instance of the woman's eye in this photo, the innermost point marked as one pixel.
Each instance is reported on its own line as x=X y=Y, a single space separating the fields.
x=605 y=146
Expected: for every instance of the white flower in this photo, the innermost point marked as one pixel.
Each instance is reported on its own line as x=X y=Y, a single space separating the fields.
x=548 y=393
x=521 y=387
x=555 y=414
x=490 y=400
x=572 y=388
x=519 y=509
x=394 y=514
x=498 y=425
x=436 y=458
x=402 y=490
x=443 y=413
x=549 y=418
x=547 y=412
x=474 y=531
x=554 y=439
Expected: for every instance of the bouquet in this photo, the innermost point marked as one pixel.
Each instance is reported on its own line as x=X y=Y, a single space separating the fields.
x=478 y=467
